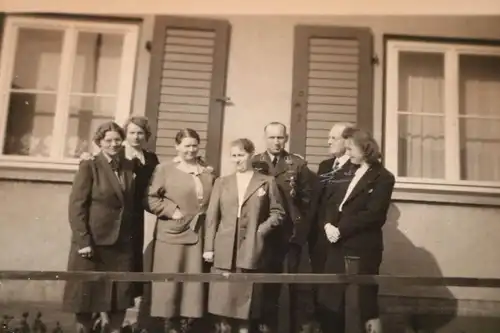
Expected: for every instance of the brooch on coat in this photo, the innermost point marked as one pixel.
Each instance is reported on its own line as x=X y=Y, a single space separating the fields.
x=261 y=192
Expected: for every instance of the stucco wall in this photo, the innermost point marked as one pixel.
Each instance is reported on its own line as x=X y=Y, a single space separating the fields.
x=426 y=239
x=422 y=240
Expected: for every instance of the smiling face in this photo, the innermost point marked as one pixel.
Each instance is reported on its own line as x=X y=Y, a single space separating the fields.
x=240 y=158
x=188 y=149
x=111 y=143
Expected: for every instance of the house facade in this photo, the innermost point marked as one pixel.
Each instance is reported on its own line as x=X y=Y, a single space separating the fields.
x=427 y=87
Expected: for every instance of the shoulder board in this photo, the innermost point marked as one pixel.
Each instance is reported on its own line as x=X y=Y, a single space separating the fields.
x=299 y=156
x=257 y=157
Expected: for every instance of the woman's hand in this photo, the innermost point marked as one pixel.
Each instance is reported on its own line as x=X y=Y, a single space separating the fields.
x=177 y=214
x=85 y=156
x=208 y=256
x=86 y=252
x=332 y=233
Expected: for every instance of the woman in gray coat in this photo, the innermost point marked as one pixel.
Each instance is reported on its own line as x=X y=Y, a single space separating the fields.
x=178 y=195
x=244 y=207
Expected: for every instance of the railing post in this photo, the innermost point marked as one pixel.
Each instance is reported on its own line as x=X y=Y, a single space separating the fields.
x=352 y=310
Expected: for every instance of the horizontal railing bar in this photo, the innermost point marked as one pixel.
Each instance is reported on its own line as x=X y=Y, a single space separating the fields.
x=252 y=277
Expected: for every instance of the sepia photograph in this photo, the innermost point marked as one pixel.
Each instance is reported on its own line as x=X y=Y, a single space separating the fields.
x=176 y=169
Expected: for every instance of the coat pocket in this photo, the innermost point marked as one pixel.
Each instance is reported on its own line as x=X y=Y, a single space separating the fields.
x=176 y=231
x=174 y=226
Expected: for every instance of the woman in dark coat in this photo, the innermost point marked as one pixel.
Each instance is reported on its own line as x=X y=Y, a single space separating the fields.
x=354 y=217
x=137 y=134
x=244 y=208
x=101 y=207
x=178 y=196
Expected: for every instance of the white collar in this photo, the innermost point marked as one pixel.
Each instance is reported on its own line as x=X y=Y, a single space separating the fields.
x=248 y=173
x=343 y=159
x=363 y=168
x=194 y=169
x=271 y=156
x=131 y=153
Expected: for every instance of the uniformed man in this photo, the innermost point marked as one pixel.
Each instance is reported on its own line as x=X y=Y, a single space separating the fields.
x=294 y=180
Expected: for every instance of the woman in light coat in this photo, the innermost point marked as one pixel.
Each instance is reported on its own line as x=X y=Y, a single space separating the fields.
x=178 y=196
x=244 y=207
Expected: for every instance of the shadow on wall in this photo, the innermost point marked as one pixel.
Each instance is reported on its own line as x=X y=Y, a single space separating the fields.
x=402 y=257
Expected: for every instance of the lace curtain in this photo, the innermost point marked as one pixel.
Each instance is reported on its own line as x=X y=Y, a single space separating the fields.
x=422 y=116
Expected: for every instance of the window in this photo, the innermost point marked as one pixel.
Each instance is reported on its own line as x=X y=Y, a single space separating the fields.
x=443 y=115
x=60 y=79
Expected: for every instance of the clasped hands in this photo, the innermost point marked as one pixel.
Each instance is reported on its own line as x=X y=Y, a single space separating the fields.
x=332 y=233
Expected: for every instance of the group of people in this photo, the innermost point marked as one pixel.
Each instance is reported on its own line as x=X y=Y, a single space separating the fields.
x=262 y=218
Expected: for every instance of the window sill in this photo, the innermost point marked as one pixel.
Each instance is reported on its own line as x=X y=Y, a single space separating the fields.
x=38 y=170
x=446 y=194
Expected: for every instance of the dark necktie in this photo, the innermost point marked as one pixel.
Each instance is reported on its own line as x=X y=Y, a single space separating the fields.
x=336 y=166
x=275 y=161
x=115 y=164
x=116 y=167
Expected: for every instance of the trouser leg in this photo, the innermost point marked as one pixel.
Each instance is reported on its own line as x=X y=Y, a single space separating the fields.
x=83 y=322
x=301 y=297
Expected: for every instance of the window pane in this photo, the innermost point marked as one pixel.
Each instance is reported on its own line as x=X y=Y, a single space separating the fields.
x=421 y=82
x=97 y=64
x=29 y=124
x=37 y=59
x=480 y=149
x=421 y=146
x=479 y=85
x=86 y=114
x=479 y=82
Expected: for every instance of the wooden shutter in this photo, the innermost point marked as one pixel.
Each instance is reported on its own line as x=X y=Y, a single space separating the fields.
x=332 y=82
x=187 y=83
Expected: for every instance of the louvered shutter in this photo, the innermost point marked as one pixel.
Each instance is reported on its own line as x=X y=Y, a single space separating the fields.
x=332 y=82
x=187 y=83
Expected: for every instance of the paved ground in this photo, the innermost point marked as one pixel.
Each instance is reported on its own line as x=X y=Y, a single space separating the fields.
x=51 y=314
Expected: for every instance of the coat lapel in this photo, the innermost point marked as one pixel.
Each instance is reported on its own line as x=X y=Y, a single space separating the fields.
x=280 y=166
x=255 y=183
x=332 y=181
x=327 y=166
x=370 y=176
x=115 y=183
x=207 y=182
x=231 y=188
x=128 y=176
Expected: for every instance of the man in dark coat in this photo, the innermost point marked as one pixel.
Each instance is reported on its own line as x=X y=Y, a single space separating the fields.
x=331 y=173
x=294 y=180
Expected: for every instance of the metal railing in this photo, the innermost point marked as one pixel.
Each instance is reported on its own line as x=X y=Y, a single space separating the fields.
x=351 y=279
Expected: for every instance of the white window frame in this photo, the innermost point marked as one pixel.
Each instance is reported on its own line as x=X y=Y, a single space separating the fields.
x=70 y=29
x=451 y=54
